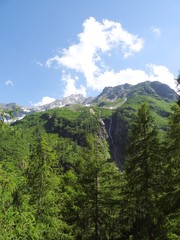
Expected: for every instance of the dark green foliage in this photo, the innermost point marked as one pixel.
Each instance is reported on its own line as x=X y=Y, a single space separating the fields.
x=65 y=122
x=15 y=213
x=45 y=188
x=58 y=179
x=142 y=168
x=172 y=176
x=101 y=192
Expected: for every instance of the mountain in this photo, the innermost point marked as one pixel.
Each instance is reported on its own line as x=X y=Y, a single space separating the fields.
x=62 y=169
x=112 y=111
x=124 y=101
x=110 y=98
x=20 y=111
x=72 y=99
x=113 y=95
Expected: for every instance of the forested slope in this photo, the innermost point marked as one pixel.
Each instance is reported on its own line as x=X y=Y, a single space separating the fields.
x=63 y=176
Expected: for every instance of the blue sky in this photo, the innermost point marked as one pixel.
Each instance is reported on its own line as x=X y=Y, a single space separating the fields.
x=50 y=49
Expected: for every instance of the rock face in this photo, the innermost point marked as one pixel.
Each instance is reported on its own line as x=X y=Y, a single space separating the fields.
x=108 y=98
x=115 y=124
x=72 y=99
x=112 y=93
x=153 y=89
x=20 y=111
x=159 y=96
x=164 y=91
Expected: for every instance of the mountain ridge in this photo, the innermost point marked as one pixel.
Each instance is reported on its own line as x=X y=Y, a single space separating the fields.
x=110 y=97
x=114 y=109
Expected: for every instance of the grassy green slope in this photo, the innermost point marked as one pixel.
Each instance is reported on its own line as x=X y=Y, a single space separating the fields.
x=160 y=108
x=75 y=122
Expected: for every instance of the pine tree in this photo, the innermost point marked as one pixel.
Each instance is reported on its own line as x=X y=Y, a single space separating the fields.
x=142 y=173
x=16 y=216
x=45 y=187
x=99 y=199
x=172 y=176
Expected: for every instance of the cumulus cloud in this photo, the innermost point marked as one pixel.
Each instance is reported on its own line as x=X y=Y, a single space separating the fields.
x=162 y=74
x=96 y=39
x=128 y=75
x=156 y=31
x=86 y=58
x=9 y=83
x=134 y=76
x=70 y=86
x=45 y=100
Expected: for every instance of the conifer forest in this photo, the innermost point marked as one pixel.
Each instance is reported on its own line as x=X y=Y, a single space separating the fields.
x=91 y=173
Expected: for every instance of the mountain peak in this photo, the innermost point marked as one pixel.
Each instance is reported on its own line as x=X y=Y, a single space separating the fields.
x=111 y=97
x=112 y=93
x=155 y=89
x=164 y=90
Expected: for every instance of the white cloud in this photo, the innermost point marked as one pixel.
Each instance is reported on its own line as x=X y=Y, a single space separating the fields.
x=95 y=40
x=70 y=87
x=156 y=31
x=37 y=63
x=128 y=75
x=134 y=76
x=111 y=78
x=162 y=74
x=9 y=83
x=45 y=100
x=86 y=58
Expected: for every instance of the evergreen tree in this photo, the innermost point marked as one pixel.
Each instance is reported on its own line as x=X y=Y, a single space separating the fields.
x=172 y=176
x=142 y=173
x=45 y=187
x=16 y=216
x=99 y=202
